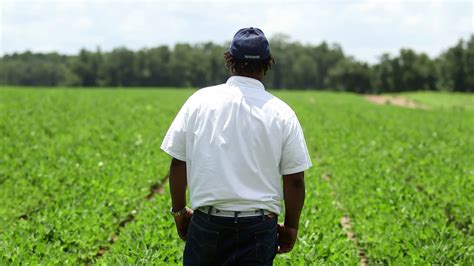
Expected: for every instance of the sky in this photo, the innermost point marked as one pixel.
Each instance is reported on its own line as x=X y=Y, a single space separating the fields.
x=364 y=28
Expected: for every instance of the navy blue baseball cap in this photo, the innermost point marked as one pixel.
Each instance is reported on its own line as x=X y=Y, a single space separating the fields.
x=250 y=44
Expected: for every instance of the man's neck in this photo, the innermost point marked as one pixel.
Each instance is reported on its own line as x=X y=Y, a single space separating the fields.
x=258 y=77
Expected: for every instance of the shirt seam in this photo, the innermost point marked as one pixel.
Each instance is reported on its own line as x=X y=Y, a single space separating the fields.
x=296 y=169
x=174 y=154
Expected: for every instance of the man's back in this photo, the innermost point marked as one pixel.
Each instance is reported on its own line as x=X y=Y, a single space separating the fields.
x=235 y=134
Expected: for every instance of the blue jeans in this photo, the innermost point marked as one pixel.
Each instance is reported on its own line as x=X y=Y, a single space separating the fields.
x=213 y=240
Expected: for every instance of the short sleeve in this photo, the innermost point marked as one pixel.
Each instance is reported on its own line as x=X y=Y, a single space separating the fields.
x=174 y=142
x=295 y=157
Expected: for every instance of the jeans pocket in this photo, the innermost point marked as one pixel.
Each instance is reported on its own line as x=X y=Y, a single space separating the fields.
x=201 y=245
x=266 y=244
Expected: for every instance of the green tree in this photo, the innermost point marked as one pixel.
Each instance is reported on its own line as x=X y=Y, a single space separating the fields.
x=456 y=67
x=350 y=75
x=120 y=68
x=326 y=57
x=382 y=75
x=407 y=72
x=86 y=66
x=299 y=66
x=31 y=69
x=279 y=47
x=417 y=72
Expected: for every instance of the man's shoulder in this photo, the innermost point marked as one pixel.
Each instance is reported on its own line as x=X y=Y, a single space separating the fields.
x=280 y=107
x=211 y=90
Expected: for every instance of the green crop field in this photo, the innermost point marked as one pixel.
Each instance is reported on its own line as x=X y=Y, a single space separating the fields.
x=82 y=178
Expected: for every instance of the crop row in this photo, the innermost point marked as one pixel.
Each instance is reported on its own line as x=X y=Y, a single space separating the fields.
x=76 y=167
x=405 y=176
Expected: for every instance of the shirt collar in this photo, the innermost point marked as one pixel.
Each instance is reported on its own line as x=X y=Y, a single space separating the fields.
x=241 y=81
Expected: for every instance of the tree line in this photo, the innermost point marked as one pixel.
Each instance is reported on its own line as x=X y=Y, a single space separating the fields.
x=299 y=66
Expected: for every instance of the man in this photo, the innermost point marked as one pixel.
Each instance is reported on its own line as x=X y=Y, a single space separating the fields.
x=231 y=144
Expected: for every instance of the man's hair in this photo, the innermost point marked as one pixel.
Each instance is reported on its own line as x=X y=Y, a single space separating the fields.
x=249 y=67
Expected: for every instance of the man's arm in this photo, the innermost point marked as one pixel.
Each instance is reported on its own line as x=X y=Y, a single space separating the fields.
x=294 y=194
x=178 y=184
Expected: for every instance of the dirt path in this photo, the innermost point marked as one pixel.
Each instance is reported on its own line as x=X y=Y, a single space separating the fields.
x=155 y=189
x=346 y=223
x=395 y=100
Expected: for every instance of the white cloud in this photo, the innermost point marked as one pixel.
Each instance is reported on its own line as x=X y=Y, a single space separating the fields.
x=279 y=19
x=364 y=29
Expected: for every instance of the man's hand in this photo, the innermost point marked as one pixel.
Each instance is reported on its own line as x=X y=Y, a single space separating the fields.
x=286 y=238
x=182 y=223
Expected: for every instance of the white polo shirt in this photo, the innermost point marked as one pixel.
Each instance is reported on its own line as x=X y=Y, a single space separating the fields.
x=237 y=140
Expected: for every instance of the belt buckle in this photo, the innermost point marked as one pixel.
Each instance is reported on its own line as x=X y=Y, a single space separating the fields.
x=271 y=215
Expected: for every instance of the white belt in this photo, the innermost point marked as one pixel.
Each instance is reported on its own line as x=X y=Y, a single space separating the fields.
x=223 y=213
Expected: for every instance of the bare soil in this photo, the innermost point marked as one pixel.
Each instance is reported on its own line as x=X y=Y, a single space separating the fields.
x=395 y=100
x=155 y=189
x=346 y=223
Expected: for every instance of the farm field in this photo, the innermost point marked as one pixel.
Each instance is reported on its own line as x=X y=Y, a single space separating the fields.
x=82 y=178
